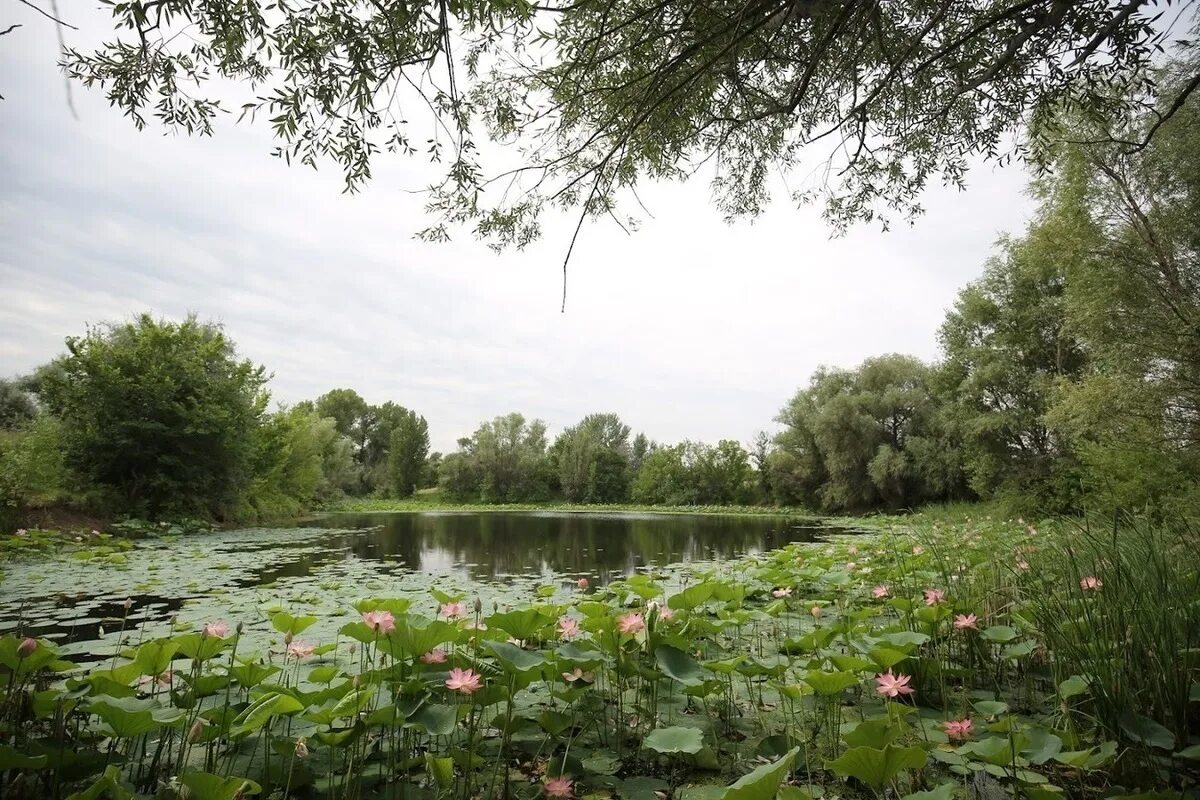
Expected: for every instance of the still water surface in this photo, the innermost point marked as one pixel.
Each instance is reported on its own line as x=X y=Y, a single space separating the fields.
x=325 y=564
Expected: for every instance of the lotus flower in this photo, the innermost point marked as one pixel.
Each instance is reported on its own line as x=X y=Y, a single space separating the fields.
x=917 y=550
x=1023 y=565
x=26 y=647
x=218 y=629
x=852 y=550
x=582 y=583
x=578 y=675
x=464 y=681
x=301 y=748
x=453 y=610
x=1091 y=583
x=666 y=613
x=934 y=596
x=298 y=649
x=958 y=730
x=380 y=621
x=964 y=621
x=816 y=612
x=890 y=685
x=195 y=732
x=558 y=787
x=568 y=627
x=631 y=623
x=435 y=656
x=784 y=591
x=880 y=592
x=21 y=532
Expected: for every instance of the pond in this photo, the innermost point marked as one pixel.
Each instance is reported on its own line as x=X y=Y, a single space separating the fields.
x=326 y=563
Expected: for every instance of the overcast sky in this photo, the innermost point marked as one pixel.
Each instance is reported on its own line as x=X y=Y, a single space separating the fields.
x=689 y=328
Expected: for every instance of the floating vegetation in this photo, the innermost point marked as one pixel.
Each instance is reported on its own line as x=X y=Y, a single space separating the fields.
x=902 y=664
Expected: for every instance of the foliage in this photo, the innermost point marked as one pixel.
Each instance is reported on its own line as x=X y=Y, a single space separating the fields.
x=504 y=461
x=408 y=447
x=161 y=415
x=865 y=438
x=708 y=672
x=601 y=95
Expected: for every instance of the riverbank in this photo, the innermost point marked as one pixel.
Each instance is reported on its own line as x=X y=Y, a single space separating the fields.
x=433 y=501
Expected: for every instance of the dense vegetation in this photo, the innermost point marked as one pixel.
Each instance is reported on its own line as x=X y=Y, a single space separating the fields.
x=1070 y=379
x=962 y=657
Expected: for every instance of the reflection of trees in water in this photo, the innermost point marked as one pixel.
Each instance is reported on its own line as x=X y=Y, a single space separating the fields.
x=496 y=543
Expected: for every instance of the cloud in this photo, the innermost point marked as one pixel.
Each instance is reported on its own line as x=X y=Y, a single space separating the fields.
x=690 y=328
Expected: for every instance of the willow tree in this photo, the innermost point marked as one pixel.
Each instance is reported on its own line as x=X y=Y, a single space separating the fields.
x=598 y=95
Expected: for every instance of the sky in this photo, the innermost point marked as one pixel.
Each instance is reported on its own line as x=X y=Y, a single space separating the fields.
x=690 y=328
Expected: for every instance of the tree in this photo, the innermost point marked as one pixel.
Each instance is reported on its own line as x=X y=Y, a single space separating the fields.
x=503 y=462
x=352 y=416
x=1133 y=299
x=894 y=93
x=592 y=459
x=407 y=449
x=16 y=405
x=1007 y=350
x=162 y=415
x=864 y=438
x=663 y=478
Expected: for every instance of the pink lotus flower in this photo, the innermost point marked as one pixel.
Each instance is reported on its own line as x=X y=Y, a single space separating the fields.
x=666 y=613
x=881 y=592
x=578 y=675
x=582 y=583
x=816 y=612
x=965 y=621
x=785 y=591
x=218 y=629
x=26 y=647
x=380 y=621
x=301 y=748
x=1023 y=565
x=934 y=596
x=435 y=656
x=21 y=532
x=890 y=685
x=631 y=623
x=852 y=550
x=195 y=732
x=917 y=550
x=464 y=681
x=453 y=610
x=298 y=649
x=1091 y=582
x=558 y=787
x=568 y=627
x=958 y=730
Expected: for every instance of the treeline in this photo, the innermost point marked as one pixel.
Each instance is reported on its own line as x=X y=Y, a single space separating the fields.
x=162 y=419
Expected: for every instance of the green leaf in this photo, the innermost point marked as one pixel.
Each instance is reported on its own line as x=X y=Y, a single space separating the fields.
x=999 y=634
x=675 y=739
x=1146 y=731
x=516 y=658
x=1191 y=753
x=1072 y=687
x=206 y=786
x=763 y=783
x=944 y=791
x=12 y=759
x=108 y=785
x=522 y=624
x=877 y=768
x=284 y=622
x=680 y=666
x=886 y=657
x=252 y=674
x=829 y=683
x=991 y=708
x=436 y=719
x=154 y=658
x=691 y=597
x=441 y=770
x=876 y=733
x=259 y=713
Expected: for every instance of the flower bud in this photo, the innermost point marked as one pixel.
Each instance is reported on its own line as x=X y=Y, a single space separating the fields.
x=287 y=639
x=478 y=605
x=26 y=648
x=301 y=748
x=196 y=731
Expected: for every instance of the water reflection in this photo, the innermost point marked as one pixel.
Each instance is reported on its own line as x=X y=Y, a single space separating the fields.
x=494 y=545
